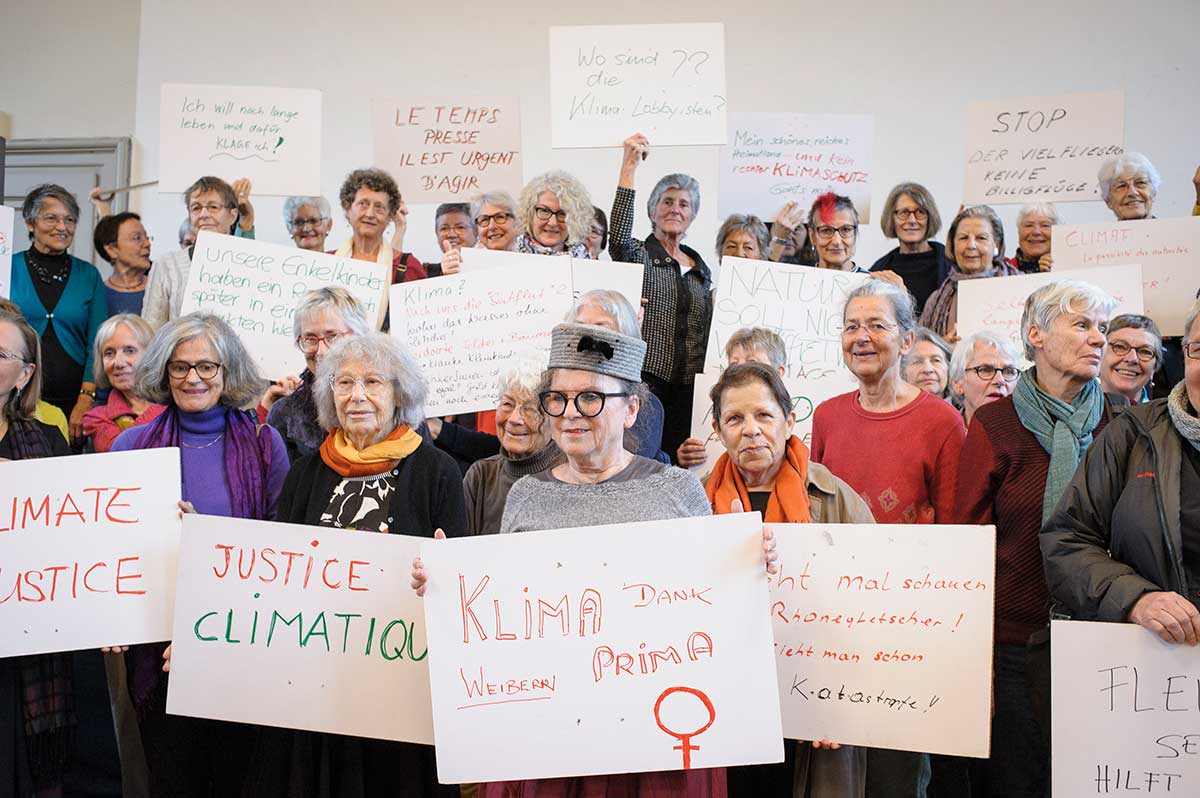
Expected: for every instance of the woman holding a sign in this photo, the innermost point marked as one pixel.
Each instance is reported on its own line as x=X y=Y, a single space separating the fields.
x=371 y=201
x=556 y=211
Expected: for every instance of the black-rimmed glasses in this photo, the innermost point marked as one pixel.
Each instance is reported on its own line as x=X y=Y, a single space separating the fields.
x=589 y=403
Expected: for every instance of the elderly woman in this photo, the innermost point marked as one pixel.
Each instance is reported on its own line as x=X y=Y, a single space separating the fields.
x=676 y=283
x=833 y=228
x=766 y=469
x=371 y=201
x=556 y=212
x=927 y=364
x=308 y=220
x=455 y=228
x=982 y=370
x=495 y=215
x=597 y=240
x=1129 y=185
x=321 y=318
x=373 y=473
x=120 y=343
x=1033 y=238
x=199 y=369
x=1134 y=353
x=1019 y=455
x=911 y=217
x=975 y=248
x=886 y=414
x=122 y=241
x=1121 y=548
x=743 y=236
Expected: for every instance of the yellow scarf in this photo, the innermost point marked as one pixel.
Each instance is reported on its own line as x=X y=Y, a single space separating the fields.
x=340 y=455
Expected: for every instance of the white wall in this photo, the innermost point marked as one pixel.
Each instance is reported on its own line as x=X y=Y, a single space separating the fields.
x=914 y=65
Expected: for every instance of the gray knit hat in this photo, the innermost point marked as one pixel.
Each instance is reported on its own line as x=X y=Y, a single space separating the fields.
x=587 y=347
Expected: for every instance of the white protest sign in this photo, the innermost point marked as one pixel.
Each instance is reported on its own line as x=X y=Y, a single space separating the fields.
x=775 y=158
x=301 y=627
x=666 y=81
x=1041 y=149
x=996 y=303
x=586 y=275
x=270 y=135
x=87 y=550
x=613 y=649
x=445 y=150
x=1167 y=249
x=1125 y=711
x=464 y=329
x=883 y=634
x=255 y=286
x=6 y=250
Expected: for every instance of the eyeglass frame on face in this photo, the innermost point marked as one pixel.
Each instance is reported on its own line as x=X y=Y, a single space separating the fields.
x=300 y=224
x=317 y=339
x=874 y=328
x=978 y=371
x=211 y=207
x=491 y=218
x=174 y=366
x=1144 y=353
x=52 y=219
x=1191 y=349
x=904 y=214
x=824 y=233
x=368 y=390
x=543 y=214
x=1124 y=184
x=544 y=395
x=526 y=410
x=138 y=238
x=7 y=356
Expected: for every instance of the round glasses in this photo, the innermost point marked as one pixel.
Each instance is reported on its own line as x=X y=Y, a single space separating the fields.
x=986 y=373
x=205 y=369
x=311 y=343
x=372 y=385
x=500 y=218
x=1144 y=353
x=847 y=232
x=589 y=404
x=904 y=214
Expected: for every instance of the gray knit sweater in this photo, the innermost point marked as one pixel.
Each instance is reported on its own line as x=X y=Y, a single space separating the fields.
x=645 y=491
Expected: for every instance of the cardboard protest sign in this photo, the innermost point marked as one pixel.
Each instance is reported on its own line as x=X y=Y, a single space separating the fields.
x=1041 y=149
x=996 y=303
x=883 y=634
x=1125 y=711
x=1166 y=249
x=667 y=81
x=447 y=149
x=586 y=275
x=87 y=550
x=612 y=649
x=270 y=135
x=465 y=328
x=6 y=250
x=775 y=158
x=302 y=627
x=255 y=287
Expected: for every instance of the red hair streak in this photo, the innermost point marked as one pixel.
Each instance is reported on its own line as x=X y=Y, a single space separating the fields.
x=825 y=206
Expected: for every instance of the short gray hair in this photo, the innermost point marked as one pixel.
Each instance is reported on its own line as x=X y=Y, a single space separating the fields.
x=674 y=180
x=185 y=229
x=243 y=383
x=903 y=304
x=1136 y=321
x=141 y=330
x=1056 y=299
x=391 y=359
x=293 y=204
x=501 y=199
x=37 y=197
x=965 y=350
x=929 y=336
x=744 y=223
x=525 y=373
x=1127 y=164
x=572 y=196
x=1192 y=315
x=612 y=304
x=977 y=212
x=759 y=339
x=333 y=298
x=1046 y=209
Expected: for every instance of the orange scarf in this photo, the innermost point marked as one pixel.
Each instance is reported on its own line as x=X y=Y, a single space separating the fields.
x=789 y=499
x=340 y=455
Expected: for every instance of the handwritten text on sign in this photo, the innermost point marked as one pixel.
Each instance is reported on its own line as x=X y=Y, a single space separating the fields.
x=299 y=627
x=666 y=81
x=443 y=151
x=1167 y=250
x=464 y=329
x=6 y=247
x=618 y=649
x=1126 y=712
x=255 y=286
x=997 y=303
x=1039 y=149
x=774 y=158
x=883 y=634
x=271 y=136
x=586 y=274
x=87 y=550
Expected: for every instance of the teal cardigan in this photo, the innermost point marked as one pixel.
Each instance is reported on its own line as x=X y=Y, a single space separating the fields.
x=80 y=312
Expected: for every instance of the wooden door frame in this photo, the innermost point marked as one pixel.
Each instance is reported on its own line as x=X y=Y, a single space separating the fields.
x=74 y=152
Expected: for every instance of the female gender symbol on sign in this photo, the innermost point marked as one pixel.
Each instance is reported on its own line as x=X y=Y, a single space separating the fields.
x=685 y=744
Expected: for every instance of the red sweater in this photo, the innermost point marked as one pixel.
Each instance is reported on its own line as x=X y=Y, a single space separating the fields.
x=902 y=463
x=1001 y=481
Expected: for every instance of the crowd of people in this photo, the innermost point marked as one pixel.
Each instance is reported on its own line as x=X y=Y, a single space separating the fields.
x=594 y=433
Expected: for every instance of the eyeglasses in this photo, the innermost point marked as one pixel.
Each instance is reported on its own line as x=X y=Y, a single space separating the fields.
x=205 y=369
x=53 y=219
x=500 y=218
x=300 y=224
x=211 y=207
x=447 y=229
x=13 y=356
x=543 y=213
x=140 y=238
x=372 y=384
x=1144 y=353
x=1140 y=183
x=847 y=232
x=1192 y=350
x=311 y=343
x=903 y=214
x=874 y=328
x=526 y=410
x=986 y=373
x=589 y=403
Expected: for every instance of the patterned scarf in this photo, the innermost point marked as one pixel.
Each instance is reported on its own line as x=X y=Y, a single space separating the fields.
x=1183 y=415
x=789 y=498
x=339 y=454
x=1063 y=430
x=526 y=243
x=938 y=313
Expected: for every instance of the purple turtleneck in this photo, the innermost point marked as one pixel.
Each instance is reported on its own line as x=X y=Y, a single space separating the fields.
x=203 y=465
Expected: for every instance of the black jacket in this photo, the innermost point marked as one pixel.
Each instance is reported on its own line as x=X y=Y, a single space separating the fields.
x=1116 y=534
